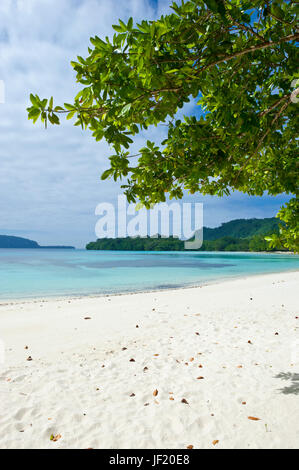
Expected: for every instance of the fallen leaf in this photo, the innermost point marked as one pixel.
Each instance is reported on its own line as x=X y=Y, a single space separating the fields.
x=146 y=404
x=87 y=318
x=190 y=447
x=156 y=354
x=200 y=378
x=55 y=438
x=215 y=442
x=171 y=398
x=240 y=367
x=253 y=418
x=184 y=401
x=243 y=402
x=155 y=393
x=192 y=359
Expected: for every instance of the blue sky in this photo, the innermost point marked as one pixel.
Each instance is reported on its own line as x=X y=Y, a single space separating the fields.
x=50 y=179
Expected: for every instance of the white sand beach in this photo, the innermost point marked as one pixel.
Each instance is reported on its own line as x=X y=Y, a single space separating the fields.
x=171 y=369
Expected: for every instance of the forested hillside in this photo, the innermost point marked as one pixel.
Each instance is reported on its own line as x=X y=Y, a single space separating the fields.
x=242 y=228
x=236 y=235
x=8 y=241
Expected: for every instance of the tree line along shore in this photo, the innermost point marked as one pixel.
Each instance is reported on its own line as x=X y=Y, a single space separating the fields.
x=236 y=235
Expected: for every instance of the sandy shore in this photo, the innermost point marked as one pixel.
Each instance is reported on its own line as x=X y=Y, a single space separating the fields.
x=154 y=370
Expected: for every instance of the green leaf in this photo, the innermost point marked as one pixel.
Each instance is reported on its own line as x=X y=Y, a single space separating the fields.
x=106 y=174
x=34 y=100
x=71 y=114
x=130 y=24
x=70 y=107
x=117 y=28
x=277 y=11
x=125 y=109
x=123 y=26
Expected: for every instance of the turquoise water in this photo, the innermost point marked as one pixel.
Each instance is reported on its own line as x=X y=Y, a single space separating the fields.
x=43 y=273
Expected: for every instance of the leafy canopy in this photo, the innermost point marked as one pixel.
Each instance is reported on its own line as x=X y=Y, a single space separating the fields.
x=237 y=59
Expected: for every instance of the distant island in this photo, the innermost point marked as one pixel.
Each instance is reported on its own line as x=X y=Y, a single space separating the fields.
x=7 y=241
x=236 y=235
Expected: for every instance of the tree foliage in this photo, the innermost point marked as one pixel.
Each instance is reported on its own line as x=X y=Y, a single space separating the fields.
x=236 y=235
x=237 y=59
x=255 y=243
x=242 y=228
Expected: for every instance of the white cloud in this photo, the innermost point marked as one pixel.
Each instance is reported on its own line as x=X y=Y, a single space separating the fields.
x=50 y=180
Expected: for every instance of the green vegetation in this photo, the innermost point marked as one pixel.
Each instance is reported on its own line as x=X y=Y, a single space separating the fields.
x=242 y=228
x=245 y=235
x=8 y=241
x=137 y=244
x=237 y=60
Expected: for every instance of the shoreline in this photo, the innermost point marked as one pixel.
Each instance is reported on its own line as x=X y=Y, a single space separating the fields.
x=163 y=369
x=64 y=297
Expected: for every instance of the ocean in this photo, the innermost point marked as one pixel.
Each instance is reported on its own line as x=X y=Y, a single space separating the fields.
x=33 y=273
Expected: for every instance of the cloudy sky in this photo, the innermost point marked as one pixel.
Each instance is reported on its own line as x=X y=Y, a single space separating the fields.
x=50 y=179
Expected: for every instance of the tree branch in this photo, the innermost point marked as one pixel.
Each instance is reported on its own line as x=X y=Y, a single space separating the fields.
x=279 y=19
x=291 y=37
x=246 y=28
x=263 y=113
x=288 y=97
x=271 y=124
